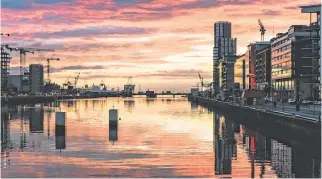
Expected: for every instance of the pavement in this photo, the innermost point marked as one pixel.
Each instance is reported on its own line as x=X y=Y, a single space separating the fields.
x=312 y=112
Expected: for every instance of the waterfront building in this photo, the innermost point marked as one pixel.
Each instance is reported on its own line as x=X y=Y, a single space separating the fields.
x=5 y=69
x=250 y=58
x=292 y=64
x=224 y=45
x=241 y=71
x=36 y=78
x=14 y=82
x=226 y=75
x=263 y=68
x=314 y=39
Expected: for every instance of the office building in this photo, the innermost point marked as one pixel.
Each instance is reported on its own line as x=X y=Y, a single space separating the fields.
x=36 y=78
x=314 y=29
x=14 y=83
x=241 y=71
x=250 y=57
x=292 y=65
x=5 y=69
x=224 y=46
x=263 y=68
x=226 y=75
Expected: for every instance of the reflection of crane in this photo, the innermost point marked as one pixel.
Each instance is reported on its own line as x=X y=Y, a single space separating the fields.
x=23 y=52
x=76 y=80
x=262 y=29
x=48 y=67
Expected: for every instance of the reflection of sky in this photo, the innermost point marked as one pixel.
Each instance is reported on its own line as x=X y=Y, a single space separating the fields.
x=159 y=140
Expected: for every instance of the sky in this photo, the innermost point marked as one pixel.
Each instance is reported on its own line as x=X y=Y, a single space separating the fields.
x=162 y=44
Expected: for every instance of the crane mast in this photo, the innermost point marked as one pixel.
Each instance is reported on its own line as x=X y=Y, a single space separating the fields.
x=76 y=80
x=48 y=67
x=262 y=29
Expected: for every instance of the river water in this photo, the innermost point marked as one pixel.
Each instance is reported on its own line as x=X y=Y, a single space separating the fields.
x=161 y=137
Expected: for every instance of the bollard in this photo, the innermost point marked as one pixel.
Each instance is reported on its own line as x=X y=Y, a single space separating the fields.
x=60 y=130
x=113 y=116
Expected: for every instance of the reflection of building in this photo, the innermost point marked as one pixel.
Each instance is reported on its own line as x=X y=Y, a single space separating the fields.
x=36 y=78
x=5 y=137
x=5 y=129
x=225 y=145
x=282 y=159
x=36 y=120
x=129 y=105
x=224 y=46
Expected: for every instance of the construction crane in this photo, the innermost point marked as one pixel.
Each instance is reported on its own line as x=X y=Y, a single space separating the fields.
x=23 y=52
x=201 y=81
x=76 y=80
x=262 y=29
x=103 y=87
x=129 y=87
x=48 y=67
x=129 y=81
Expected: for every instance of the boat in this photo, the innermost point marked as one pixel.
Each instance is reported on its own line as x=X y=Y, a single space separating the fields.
x=150 y=94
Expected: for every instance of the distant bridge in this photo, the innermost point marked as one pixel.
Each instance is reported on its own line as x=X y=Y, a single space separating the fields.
x=176 y=94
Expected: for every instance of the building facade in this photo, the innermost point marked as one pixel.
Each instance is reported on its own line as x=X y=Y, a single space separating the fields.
x=226 y=75
x=240 y=72
x=5 y=69
x=263 y=68
x=250 y=56
x=224 y=46
x=314 y=29
x=291 y=70
x=36 y=78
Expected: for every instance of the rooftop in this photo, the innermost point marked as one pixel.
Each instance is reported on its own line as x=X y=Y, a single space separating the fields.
x=311 y=9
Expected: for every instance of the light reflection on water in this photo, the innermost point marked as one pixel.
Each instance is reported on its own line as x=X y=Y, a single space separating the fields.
x=162 y=137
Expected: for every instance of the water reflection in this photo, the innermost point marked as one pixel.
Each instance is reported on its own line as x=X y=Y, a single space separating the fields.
x=171 y=138
x=225 y=145
x=36 y=120
x=129 y=104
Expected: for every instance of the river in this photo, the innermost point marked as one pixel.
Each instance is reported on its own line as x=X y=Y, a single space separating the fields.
x=161 y=137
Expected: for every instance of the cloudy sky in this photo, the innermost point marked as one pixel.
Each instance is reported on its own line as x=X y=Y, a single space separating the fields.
x=163 y=44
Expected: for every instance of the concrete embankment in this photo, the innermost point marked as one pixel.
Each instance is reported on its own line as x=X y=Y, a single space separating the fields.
x=280 y=122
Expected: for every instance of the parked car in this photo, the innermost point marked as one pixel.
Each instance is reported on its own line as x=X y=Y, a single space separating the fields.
x=291 y=101
x=307 y=102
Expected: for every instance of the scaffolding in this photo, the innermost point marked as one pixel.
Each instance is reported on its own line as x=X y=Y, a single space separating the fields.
x=5 y=69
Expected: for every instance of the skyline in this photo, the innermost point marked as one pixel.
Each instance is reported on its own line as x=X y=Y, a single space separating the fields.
x=162 y=44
